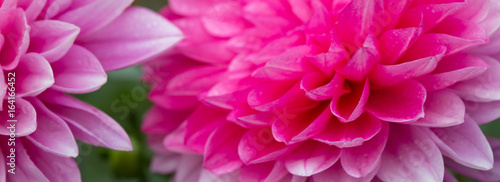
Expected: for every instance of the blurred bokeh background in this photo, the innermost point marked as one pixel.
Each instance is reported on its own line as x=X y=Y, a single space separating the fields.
x=124 y=97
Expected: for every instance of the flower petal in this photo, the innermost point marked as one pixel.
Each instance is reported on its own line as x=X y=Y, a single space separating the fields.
x=400 y=103
x=348 y=107
x=221 y=152
x=361 y=161
x=94 y=15
x=78 y=71
x=350 y=134
x=33 y=75
x=25 y=115
x=337 y=173
x=86 y=122
x=27 y=170
x=52 y=39
x=123 y=42
x=258 y=145
x=410 y=155
x=483 y=112
x=54 y=167
x=442 y=109
x=16 y=33
x=159 y=120
x=466 y=144
x=50 y=126
x=311 y=158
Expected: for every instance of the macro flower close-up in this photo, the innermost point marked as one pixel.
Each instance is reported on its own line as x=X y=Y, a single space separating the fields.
x=327 y=90
x=52 y=48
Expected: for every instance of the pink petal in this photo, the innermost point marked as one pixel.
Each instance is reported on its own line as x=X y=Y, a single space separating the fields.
x=453 y=69
x=32 y=8
x=311 y=158
x=316 y=89
x=481 y=175
x=175 y=141
x=164 y=163
x=400 y=103
x=348 y=107
x=258 y=145
x=278 y=96
x=389 y=75
x=300 y=126
x=54 y=8
x=483 y=112
x=123 y=42
x=328 y=61
x=26 y=170
x=189 y=168
x=483 y=88
x=221 y=152
x=78 y=71
x=394 y=43
x=432 y=12
x=350 y=134
x=475 y=11
x=224 y=19
x=286 y=66
x=448 y=177
x=16 y=32
x=86 y=122
x=159 y=95
x=52 y=39
x=196 y=80
x=25 y=115
x=358 y=19
x=33 y=75
x=270 y=171
x=361 y=63
x=410 y=155
x=200 y=125
x=159 y=120
x=362 y=161
x=465 y=144
x=191 y=7
x=50 y=126
x=53 y=167
x=94 y=15
x=338 y=174
x=442 y=108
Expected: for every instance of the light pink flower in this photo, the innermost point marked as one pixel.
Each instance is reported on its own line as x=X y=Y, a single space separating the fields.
x=52 y=47
x=321 y=90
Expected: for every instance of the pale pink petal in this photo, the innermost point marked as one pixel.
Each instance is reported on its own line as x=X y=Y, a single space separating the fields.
x=154 y=122
x=362 y=161
x=54 y=167
x=26 y=170
x=86 y=122
x=49 y=127
x=485 y=87
x=394 y=43
x=25 y=114
x=453 y=69
x=311 y=158
x=483 y=112
x=165 y=163
x=189 y=168
x=410 y=155
x=78 y=71
x=52 y=39
x=123 y=42
x=465 y=144
x=442 y=108
x=337 y=173
x=33 y=75
x=94 y=15
x=15 y=31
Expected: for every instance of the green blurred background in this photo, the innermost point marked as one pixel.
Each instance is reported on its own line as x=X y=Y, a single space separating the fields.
x=124 y=98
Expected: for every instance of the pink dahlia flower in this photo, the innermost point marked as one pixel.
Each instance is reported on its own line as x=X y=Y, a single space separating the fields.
x=321 y=90
x=52 y=47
